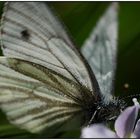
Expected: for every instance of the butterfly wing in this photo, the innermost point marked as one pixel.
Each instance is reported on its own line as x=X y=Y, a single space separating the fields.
x=100 y=50
x=30 y=32
x=35 y=104
x=45 y=76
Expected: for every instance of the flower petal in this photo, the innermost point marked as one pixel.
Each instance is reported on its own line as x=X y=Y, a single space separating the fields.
x=137 y=130
x=124 y=124
x=97 y=131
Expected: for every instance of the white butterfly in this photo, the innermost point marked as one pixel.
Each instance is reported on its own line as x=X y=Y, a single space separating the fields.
x=45 y=82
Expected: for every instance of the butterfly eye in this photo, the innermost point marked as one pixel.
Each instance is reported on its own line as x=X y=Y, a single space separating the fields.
x=25 y=34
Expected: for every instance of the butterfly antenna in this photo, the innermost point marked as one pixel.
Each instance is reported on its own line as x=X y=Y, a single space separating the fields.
x=92 y=118
x=131 y=96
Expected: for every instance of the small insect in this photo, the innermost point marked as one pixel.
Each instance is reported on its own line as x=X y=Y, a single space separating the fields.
x=46 y=84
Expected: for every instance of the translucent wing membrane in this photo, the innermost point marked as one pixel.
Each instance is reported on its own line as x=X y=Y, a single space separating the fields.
x=44 y=81
x=100 y=50
x=31 y=104
x=30 y=32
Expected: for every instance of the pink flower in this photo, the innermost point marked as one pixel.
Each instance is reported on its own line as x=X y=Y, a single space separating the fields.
x=125 y=126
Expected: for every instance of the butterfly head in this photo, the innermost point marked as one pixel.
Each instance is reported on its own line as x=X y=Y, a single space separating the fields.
x=108 y=112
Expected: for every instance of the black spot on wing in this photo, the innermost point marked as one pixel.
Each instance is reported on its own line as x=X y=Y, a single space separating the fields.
x=25 y=34
x=96 y=39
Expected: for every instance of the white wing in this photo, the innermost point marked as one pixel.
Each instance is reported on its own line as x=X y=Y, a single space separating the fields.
x=30 y=32
x=35 y=105
x=100 y=50
x=43 y=77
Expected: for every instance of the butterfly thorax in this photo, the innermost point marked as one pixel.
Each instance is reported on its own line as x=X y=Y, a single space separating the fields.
x=101 y=112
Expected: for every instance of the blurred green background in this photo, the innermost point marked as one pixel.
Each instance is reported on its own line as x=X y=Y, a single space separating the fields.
x=80 y=18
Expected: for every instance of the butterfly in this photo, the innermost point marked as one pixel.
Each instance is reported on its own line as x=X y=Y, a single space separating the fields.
x=46 y=83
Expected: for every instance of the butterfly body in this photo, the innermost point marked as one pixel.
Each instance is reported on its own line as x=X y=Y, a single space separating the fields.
x=45 y=82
